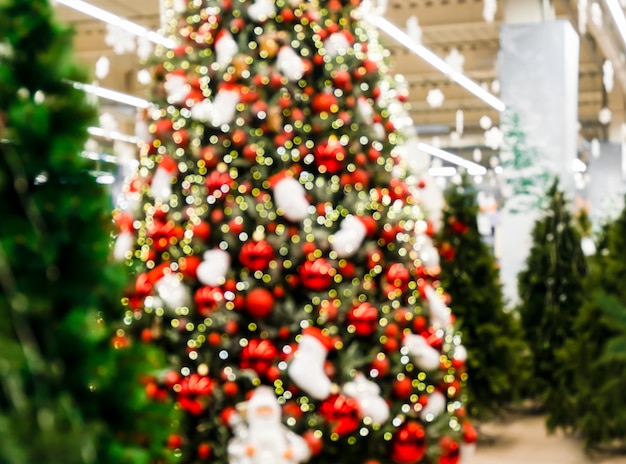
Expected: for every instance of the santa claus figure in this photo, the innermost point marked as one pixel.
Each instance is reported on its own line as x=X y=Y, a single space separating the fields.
x=266 y=440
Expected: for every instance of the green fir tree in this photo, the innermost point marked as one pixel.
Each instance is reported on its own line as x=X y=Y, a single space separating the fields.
x=551 y=293
x=69 y=391
x=497 y=355
x=596 y=358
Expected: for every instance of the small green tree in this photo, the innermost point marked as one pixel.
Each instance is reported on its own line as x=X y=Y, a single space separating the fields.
x=596 y=358
x=496 y=350
x=69 y=391
x=551 y=293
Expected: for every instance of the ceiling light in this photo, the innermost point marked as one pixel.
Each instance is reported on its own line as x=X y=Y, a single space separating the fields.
x=473 y=169
x=110 y=18
x=443 y=171
x=112 y=135
x=618 y=17
x=113 y=95
x=438 y=63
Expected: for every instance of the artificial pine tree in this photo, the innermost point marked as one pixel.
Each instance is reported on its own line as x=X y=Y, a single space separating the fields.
x=497 y=360
x=69 y=392
x=276 y=255
x=596 y=358
x=551 y=294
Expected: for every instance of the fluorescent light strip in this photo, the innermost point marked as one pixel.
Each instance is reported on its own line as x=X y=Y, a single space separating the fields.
x=473 y=169
x=618 y=17
x=443 y=171
x=113 y=95
x=112 y=135
x=118 y=21
x=432 y=59
x=92 y=155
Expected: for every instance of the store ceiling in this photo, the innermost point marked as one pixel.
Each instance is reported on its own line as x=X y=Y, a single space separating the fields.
x=445 y=24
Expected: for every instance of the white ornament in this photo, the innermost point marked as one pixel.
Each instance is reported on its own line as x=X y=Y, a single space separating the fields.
x=367 y=394
x=144 y=48
x=172 y=291
x=121 y=40
x=424 y=356
x=588 y=246
x=260 y=10
x=485 y=122
x=365 y=110
x=162 y=180
x=220 y=111
x=103 y=66
x=290 y=197
x=306 y=369
x=379 y=131
x=336 y=44
x=439 y=312
x=349 y=237
x=177 y=88
x=489 y=10
x=435 y=406
x=494 y=138
x=608 y=74
x=604 y=116
x=225 y=48
x=265 y=440
x=435 y=98
x=414 y=30
x=460 y=353
x=123 y=245
x=290 y=63
x=455 y=60
x=495 y=86
x=144 y=77
x=477 y=155
x=460 y=122
x=214 y=267
x=179 y=6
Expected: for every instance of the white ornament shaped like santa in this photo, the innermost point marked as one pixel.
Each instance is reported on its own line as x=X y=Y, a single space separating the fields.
x=438 y=310
x=266 y=440
x=424 y=356
x=290 y=64
x=349 y=237
x=162 y=180
x=214 y=267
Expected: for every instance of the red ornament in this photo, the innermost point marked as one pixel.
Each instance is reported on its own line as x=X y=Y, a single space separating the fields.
x=408 y=445
x=342 y=413
x=174 y=441
x=450 y=452
x=403 y=388
x=258 y=355
x=398 y=190
x=188 y=266
x=323 y=102
x=470 y=434
x=202 y=231
x=330 y=156
x=317 y=275
x=259 y=302
x=256 y=256
x=364 y=318
x=218 y=183
x=208 y=299
x=398 y=275
x=314 y=440
x=380 y=364
x=204 y=451
x=193 y=393
x=342 y=79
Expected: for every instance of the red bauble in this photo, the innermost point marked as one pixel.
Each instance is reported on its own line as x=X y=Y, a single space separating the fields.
x=258 y=355
x=317 y=275
x=342 y=413
x=409 y=444
x=330 y=156
x=342 y=79
x=204 y=451
x=398 y=275
x=202 y=231
x=323 y=102
x=450 y=453
x=403 y=388
x=259 y=302
x=470 y=434
x=314 y=441
x=208 y=299
x=193 y=393
x=256 y=256
x=218 y=183
x=364 y=318
x=398 y=190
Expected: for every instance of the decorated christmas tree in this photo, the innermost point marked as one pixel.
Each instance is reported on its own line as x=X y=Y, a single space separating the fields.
x=551 y=294
x=596 y=358
x=278 y=258
x=69 y=392
x=497 y=358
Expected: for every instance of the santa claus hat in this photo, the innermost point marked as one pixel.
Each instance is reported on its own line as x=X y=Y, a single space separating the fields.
x=293 y=172
x=168 y=165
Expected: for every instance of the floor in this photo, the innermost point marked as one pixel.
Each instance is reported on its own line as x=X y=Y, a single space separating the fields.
x=523 y=440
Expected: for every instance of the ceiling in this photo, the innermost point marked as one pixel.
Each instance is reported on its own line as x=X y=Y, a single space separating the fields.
x=445 y=25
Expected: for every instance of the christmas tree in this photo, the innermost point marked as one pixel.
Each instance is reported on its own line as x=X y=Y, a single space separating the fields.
x=68 y=392
x=276 y=255
x=596 y=359
x=497 y=360
x=551 y=293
